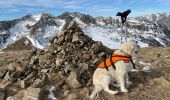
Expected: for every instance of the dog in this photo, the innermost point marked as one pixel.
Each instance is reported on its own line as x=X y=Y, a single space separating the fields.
x=102 y=78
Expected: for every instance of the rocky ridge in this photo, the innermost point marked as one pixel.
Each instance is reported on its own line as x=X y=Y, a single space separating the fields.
x=67 y=64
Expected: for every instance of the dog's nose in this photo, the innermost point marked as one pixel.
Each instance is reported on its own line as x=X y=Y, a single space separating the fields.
x=136 y=52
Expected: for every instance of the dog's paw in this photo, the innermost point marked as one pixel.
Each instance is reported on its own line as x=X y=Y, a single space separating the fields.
x=115 y=92
x=124 y=90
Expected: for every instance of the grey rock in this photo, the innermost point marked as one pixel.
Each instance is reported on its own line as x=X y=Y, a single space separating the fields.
x=11 y=67
x=7 y=76
x=72 y=25
x=60 y=40
x=73 y=96
x=75 y=38
x=24 y=84
x=10 y=98
x=38 y=83
x=59 y=61
x=31 y=75
x=2 y=73
x=32 y=93
x=2 y=94
x=55 y=41
x=72 y=80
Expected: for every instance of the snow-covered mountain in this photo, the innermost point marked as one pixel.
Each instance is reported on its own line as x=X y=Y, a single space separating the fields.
x=38 y=30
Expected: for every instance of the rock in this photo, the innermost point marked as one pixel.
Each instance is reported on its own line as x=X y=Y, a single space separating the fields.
x=85 y=66
x=75 y=38
x=95 y=60
x=85 y=92
x=59 y=61
x=62 y=33
x=63 y=52
x=55 y=41
x=60 y=40
x=2 y=73
x=72 y=96
x=10 y=98
x=24 y=84
x=38 y=83
x=86 y=56
x=31 y=75
x=32 y=94
x=7 y=76
x=2 y=94
x=45 y=70
x=72 y=25
x=11 y=67
x=78 y=29
x=34 y=60
x=72 y=80
x=68 y=38
x=66 y=92
x=101 y=54
x=83 y=40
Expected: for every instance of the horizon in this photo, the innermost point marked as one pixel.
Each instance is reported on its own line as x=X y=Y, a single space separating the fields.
x=10 y=9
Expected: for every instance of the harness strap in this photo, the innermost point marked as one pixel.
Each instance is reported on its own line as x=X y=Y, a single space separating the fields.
x=111 y=61
x=106 y=65
x=133 y=64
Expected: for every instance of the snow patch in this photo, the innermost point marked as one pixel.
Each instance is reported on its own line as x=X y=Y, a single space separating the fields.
x=79 y=22
x=49 y=32
x=26 y=42
x=144 y=63
x=107 y=35
x=35 y=43
x=51 y=94
x=37 y=17
x=146 y=69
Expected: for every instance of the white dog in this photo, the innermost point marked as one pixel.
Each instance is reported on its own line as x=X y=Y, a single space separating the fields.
x=102 y=77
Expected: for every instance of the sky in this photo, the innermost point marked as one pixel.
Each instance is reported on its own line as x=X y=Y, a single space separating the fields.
x=11 y=9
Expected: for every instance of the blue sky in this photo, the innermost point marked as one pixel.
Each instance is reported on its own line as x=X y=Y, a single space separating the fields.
x=11 y=9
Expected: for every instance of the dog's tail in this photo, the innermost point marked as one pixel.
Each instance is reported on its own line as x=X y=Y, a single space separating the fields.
x=95 y=92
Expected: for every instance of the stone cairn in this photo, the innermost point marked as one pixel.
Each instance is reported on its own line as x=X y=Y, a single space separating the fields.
x=67 y=63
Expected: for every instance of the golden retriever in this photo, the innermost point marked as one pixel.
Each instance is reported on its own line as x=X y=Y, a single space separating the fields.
x=102 y=77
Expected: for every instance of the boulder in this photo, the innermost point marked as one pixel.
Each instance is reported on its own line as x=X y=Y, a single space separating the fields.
x=73 y=96
x=7 y=76
x=24 y=84
x=60 y=40
x=59 y=61
x=72 y=25
x=32 y=93
x=72 y=80
x=40 y=82
x=75 y=38
x=2 y=73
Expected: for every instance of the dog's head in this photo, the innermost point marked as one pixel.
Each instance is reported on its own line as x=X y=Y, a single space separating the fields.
x=130 y=48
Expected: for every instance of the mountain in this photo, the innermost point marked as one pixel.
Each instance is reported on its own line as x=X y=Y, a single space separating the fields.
x=64 y=69
x=37 y=30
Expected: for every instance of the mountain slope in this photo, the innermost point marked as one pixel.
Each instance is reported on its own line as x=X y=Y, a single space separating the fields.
x=150 y=30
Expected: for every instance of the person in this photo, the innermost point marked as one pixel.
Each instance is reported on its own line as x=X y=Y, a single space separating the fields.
x=123 y=15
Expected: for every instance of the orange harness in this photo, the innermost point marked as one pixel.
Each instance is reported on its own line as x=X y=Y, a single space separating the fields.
x=110 y=60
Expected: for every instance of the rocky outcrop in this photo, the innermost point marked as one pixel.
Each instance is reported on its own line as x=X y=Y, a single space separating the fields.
x=70 y=57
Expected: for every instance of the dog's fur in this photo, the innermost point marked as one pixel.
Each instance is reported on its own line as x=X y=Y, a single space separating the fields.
x=102 y=78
